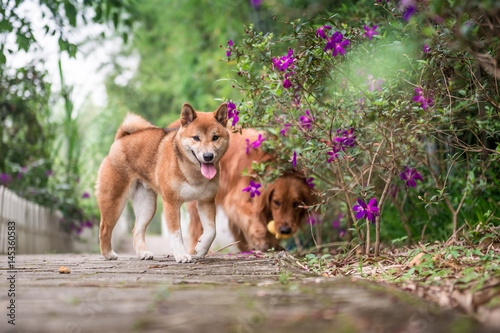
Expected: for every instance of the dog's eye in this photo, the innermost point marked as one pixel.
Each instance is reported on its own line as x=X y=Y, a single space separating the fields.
x=214 y=138
x=196 y=138
x=277 y=203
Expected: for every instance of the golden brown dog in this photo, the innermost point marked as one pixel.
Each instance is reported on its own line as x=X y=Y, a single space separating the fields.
x=181 y=164
x=281 y=202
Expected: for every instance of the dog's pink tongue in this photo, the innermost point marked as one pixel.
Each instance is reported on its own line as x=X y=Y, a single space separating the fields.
x=208 y=170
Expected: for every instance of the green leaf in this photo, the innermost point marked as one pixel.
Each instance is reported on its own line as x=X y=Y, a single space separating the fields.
x=71 y=12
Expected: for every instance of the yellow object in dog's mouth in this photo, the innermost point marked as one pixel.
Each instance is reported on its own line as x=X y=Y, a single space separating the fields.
x=270 y=228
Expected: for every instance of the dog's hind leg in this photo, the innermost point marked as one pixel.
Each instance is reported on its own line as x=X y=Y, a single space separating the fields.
x=206 y=210
x=144 y=203
x=112 y=194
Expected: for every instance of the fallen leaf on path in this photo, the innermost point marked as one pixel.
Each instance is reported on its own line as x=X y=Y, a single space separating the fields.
x=64 y=270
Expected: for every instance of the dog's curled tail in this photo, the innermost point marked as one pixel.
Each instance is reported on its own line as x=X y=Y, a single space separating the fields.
x=132 y=124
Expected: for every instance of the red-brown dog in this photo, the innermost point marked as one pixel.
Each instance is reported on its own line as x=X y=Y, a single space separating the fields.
x=248 y=217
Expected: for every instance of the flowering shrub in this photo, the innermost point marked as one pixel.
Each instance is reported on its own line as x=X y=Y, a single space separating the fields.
x=344 y=107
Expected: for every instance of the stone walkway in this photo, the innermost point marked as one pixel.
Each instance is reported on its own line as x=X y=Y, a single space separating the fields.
x=223 y=293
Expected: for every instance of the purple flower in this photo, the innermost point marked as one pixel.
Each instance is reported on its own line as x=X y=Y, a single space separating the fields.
x=409 y=7
x=5 y=178
x=230 y=44
x=235 y=117
x=424 y=101
x=370 y=32
x=336 y=223
x=232 y=113
x=348 y=138
x=313 y=219
x=255 y=144
x=338 y=143
x=294 y=158
x=287 y=83
x=87 y=224
x=426 y=48
x=284 y=62
x=253 y=189
x=339 y=48
x=296 y=100
x=409 y=176
x=283 y=131
x=309 y=182
x=336 y=44
x=341 y=233
x=256 y=3
x=333 y=154
x=49 y=173
x=85 y=195
x=374 y=84
x=248 y=146
x=306 y=121
x=336 y=38
x=369 y=211
x=230 y=106
x=410 y=11
x=321 y=31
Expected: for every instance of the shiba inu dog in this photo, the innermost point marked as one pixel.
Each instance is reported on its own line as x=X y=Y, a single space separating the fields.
x=181 y=164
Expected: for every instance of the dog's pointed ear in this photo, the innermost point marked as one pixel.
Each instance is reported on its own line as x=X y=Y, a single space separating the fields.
x=221 y=114
x=188 y=114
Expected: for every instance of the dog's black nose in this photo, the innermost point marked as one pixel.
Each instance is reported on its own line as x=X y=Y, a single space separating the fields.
x=208 y=157
x=285 y=230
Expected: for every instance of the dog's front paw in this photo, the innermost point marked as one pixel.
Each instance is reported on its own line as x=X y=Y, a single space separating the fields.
x=198 y=255
x=182 y=258
x=200 y=251
x=146 y=255
x=110 y=255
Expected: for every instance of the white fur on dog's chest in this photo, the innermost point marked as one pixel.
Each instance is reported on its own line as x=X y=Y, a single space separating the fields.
x=190 y=192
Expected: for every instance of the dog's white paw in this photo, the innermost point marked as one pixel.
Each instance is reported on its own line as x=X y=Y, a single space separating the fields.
x=200 y=251
x=182 y=258
x=110 y=256
x=198 y=256
x=204 y=244
x=146 y=255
